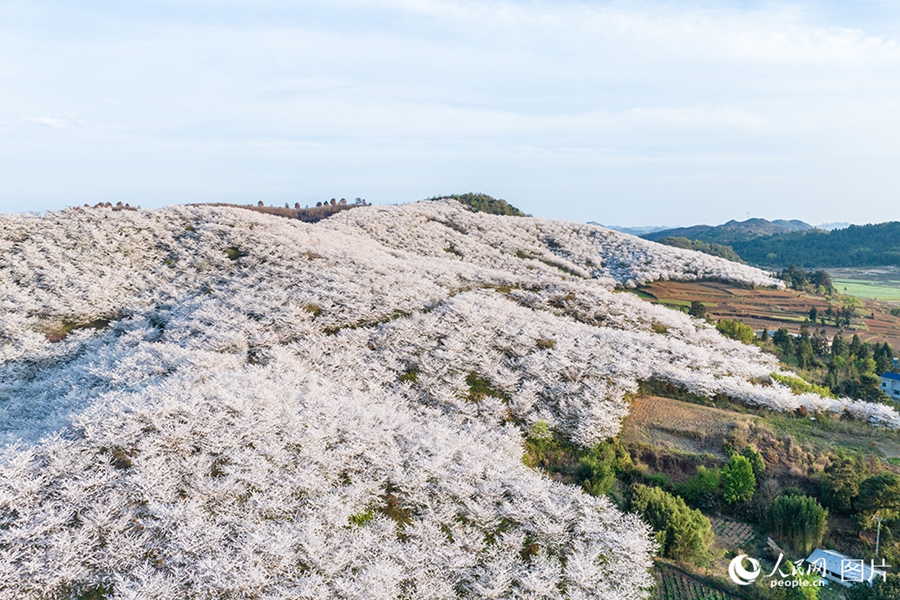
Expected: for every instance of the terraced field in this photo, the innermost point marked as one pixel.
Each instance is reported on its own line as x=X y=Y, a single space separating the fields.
x=772 y=309
x=730 y=533
x=675 y=585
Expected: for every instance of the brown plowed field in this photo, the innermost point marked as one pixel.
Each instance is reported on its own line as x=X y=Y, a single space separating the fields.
x=772 y=309
x=680 y=426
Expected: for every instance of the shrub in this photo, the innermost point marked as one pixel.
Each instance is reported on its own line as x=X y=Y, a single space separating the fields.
x=545 y=344
x=800 y=520
x=598 y=469
x=736 y=331
x=683 y=534
x=479 y=387
x=660 y=480
x=234 y=253
x=703 y=489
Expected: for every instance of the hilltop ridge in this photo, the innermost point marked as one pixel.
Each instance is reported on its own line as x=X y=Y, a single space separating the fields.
x=731 y=231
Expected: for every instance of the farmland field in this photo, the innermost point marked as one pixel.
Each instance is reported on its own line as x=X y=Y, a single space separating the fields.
x=730 y=533
x=881 y=283
x=680 y=426
x=672 y=584
x=772 y=309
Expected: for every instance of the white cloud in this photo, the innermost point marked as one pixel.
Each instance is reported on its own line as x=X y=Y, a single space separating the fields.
x=47 y=122
x=55 y=122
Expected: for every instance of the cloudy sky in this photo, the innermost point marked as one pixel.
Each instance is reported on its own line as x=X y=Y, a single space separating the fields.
x=630 y=113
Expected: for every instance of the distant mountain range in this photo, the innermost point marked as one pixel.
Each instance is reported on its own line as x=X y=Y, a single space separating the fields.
x=782 y=243
x=731 y=231
x=639 y=231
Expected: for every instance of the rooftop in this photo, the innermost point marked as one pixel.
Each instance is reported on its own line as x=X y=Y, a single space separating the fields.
x=890 y=375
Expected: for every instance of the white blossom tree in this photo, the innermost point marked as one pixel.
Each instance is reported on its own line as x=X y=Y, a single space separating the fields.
x=206 y=402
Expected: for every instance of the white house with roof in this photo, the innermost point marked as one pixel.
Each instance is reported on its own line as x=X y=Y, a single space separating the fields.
x=890 y=385
x=843 y=569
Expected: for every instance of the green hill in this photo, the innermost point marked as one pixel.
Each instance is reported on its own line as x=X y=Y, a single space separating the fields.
x=477 y=202
x=855 y=246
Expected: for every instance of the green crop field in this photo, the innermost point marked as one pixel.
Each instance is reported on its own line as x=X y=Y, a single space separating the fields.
x=880 y=283
x=867 y=289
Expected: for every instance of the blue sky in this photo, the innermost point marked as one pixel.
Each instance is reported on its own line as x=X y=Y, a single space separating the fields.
x=629 y=113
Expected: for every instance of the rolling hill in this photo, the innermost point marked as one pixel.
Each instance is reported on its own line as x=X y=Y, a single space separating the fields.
x=202 y=402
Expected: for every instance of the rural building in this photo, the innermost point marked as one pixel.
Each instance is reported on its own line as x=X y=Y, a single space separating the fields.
x=841 y=568
x=890 y=385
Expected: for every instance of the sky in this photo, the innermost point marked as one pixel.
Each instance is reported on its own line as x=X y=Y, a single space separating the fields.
x=624 y=113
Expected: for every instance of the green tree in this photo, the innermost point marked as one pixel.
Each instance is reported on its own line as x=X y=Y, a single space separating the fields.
x=879 y=493
x=841 y=484
x=805 y=354
x=683 y=534
x=784 y=340
x=884 y=358
x=697 y=309
x=813 y=315
x=478 y=202
x=738 y=480
x=856 y=346
x=800 y=520
x=838 y=345
x=822 y=279
x=756 y=460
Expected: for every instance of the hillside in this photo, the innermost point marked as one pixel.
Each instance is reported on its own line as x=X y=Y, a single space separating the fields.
x=730 y=232
x=778 y=244
x=203 y=402
x=855 y=246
